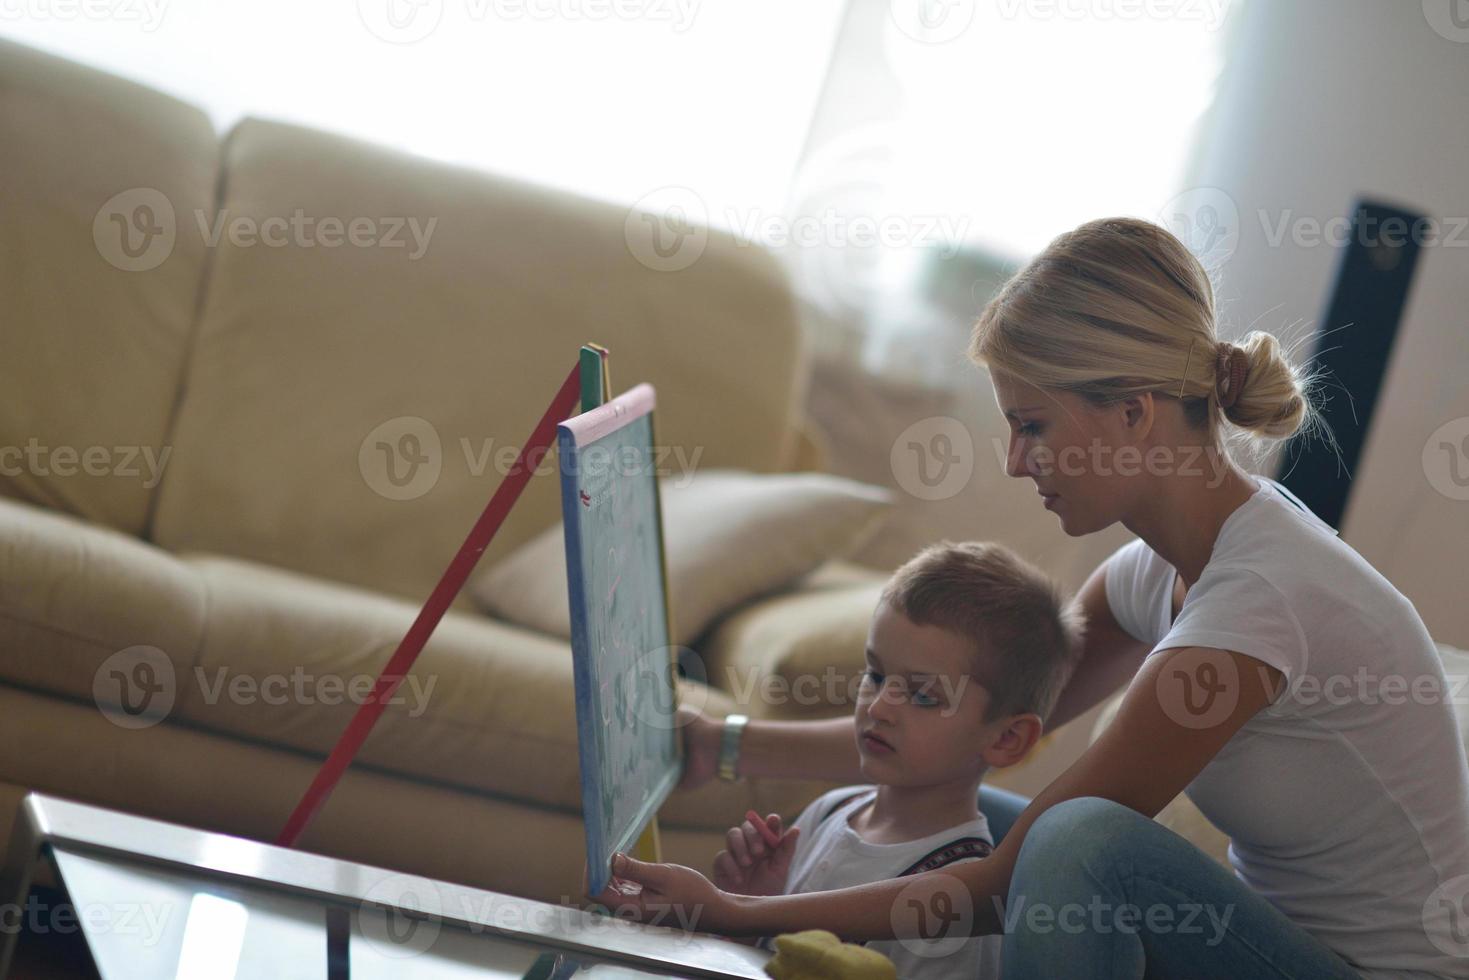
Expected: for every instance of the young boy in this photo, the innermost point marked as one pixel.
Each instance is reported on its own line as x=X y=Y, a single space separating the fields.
x=968 y=651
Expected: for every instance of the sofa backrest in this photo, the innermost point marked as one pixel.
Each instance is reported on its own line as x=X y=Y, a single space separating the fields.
x=325 y=368
x=98 y=296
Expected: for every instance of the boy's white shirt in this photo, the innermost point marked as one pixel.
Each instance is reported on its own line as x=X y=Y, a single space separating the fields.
x=830 y=854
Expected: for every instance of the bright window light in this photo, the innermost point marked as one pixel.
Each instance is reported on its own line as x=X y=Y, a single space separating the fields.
x=611 y=99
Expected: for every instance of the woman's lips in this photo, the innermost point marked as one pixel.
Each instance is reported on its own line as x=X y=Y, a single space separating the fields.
x=876 y=743
x=1049 y=498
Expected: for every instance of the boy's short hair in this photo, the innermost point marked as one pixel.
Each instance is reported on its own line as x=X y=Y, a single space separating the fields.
x=1023 y=627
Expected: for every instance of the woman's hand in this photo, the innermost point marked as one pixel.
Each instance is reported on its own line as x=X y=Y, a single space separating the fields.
x=750 y=866
x=665 y=895
x=701 y=738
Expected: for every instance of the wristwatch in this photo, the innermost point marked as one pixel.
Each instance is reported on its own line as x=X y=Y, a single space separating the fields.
x=729 y=745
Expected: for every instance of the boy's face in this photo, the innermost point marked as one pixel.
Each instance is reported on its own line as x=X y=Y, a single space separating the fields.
x=920 y=711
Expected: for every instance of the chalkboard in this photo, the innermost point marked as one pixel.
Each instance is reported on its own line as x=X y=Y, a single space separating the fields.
x=622 y=656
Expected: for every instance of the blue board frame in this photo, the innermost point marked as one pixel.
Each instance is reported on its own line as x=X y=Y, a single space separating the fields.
x=622 y=653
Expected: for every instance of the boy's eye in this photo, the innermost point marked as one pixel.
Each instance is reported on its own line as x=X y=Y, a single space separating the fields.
x=870 y=676
x=925 y=700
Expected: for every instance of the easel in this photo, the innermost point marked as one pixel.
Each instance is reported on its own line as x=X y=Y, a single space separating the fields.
x=596 y=389
x=590 y=380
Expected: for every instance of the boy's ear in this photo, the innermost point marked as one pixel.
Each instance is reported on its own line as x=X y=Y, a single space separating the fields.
x=1015 y=740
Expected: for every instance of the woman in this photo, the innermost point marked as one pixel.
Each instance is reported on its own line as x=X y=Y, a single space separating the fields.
x=1267 y=668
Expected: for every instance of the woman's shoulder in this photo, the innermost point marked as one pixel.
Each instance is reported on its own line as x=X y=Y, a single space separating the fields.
x=1282 y=564
x=1276 y=538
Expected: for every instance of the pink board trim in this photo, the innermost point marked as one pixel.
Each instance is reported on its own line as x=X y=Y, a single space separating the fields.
x=626 y=407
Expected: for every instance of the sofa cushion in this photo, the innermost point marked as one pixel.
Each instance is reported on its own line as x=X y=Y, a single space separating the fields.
x=96 y=327
x=799 y=654
x=87 y=612
x=729 y=536
x=323 y=373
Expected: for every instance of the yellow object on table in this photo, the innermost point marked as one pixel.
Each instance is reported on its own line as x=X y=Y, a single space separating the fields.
x=819 y=955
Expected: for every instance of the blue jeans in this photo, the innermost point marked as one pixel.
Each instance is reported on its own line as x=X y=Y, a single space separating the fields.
x=1100 y=890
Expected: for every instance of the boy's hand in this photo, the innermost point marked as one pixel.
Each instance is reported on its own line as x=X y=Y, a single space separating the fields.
x=749 y=865
x=663 y=894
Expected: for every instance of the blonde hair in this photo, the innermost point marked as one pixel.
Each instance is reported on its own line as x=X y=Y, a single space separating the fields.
x=1021 y=625
x=1118 y=307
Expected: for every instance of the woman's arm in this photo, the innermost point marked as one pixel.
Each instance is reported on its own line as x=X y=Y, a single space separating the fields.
x=827 y=749
x=1110 y=656
x=824 y=749
x=1183 y=706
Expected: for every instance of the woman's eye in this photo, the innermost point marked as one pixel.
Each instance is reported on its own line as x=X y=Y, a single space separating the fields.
x=1030 y=429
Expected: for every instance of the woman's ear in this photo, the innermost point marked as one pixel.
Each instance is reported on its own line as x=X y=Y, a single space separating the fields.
x=1138 y=413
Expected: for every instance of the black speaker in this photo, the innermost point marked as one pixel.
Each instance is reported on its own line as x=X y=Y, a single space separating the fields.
x=1353 y=344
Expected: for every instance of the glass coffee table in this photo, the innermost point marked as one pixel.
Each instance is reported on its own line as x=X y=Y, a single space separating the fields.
x=156 y=900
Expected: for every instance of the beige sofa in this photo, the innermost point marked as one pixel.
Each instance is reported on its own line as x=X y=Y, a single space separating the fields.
x=187 y=469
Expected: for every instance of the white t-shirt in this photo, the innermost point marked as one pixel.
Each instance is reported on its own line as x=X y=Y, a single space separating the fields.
x=829 y=854
x=1347 y=799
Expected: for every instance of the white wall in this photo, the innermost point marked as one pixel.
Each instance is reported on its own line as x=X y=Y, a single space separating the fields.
x=1327 y=100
